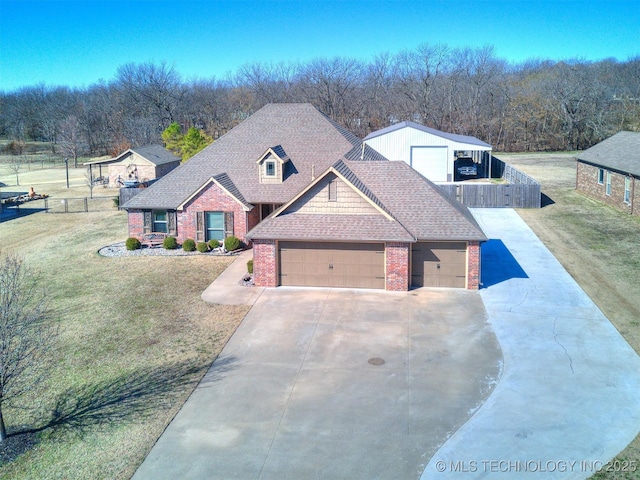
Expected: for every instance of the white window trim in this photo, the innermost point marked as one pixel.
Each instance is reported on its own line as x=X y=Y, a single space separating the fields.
x=627 y=190
x=607 y=190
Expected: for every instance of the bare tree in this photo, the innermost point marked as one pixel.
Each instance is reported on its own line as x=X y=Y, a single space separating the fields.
x=15 y=166
x=71 y=138
x=27 y=333
x=151 y=90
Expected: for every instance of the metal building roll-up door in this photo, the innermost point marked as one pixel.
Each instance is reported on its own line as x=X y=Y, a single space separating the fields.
x=431 y=162
x=328 y=264
x=439 y=264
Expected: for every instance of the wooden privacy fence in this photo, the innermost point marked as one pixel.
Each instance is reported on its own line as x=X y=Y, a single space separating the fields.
x=127 y=194
x=495 y=195
x=521 y=191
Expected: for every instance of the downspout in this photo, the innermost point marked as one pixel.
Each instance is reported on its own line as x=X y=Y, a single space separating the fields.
x=633 y=193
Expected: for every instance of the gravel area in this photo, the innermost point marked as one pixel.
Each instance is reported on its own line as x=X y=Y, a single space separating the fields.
x=119 y=250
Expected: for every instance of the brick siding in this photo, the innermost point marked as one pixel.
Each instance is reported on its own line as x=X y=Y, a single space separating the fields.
x=397 y=266
x=473 y=265
x=587 y=183
x=211 y=199
x=136 y=223
x=265 y=271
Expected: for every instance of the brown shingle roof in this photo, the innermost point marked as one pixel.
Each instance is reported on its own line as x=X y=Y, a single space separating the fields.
x=419 y=208
x=620 y=152
x=353 y=228
x=309 y=138
x=417 y=203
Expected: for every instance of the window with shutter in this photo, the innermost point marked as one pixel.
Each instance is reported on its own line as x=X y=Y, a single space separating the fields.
x=228 y=224
x=172 y=222
x=200 y=227
x=148 y=222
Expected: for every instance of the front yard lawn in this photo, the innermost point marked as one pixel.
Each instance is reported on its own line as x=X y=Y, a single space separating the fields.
x=135 y=340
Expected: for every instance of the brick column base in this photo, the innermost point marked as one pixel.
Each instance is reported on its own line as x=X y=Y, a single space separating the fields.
x=473 y=266
x=397 y=259
x=265 y=263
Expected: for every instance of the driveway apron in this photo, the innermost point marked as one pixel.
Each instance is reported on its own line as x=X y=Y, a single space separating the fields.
x=568 y=399
x=334 y=384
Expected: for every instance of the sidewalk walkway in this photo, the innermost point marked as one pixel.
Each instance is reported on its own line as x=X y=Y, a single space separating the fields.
x=225 y=289
x=568 y=400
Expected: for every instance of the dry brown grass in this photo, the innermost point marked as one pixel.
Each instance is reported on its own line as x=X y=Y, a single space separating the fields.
x=136 y=338
x=598 y=245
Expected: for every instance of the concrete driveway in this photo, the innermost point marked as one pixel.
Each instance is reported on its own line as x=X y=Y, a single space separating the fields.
x=568 y=400
x=334 y=384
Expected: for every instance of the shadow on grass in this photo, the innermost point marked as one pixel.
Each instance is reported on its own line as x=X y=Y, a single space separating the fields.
x=546 y=200
x=498 y=264
x=130 y=397
x=11 y=213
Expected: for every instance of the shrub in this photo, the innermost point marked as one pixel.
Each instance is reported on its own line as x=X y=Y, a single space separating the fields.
x=170 y=243
x=132 y=243
x=231 y=243
x=202 y=247
x=189 y=245
x=250 y=266
x=116 y=201
x=213 y=243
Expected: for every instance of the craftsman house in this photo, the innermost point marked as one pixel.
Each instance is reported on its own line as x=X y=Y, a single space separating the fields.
x=610 y=172
x=319 y=207
x=134 y=166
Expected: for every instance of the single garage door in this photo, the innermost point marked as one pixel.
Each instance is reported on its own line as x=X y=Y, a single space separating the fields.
x=327 y=264
x=441 y=264
x=431 y=162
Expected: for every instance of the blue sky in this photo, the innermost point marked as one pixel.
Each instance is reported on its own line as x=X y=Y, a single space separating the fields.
x=78 y=43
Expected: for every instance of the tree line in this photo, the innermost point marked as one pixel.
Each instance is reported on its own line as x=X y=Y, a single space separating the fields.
x=537 y=105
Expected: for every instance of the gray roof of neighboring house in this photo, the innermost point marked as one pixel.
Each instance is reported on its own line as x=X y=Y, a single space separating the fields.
x=310 y=139
x=449 y=136
x=421 y=211
x=156 y=154
x=620 y=152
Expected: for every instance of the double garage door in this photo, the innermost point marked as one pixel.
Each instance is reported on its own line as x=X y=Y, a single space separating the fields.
x=436 y=264
x=328 y=264
x=347 y=265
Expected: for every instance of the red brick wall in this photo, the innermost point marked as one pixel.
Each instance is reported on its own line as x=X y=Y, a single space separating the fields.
x=136 y=223
x=587 y=183
x=265 y=268
x=253 y=217
x=397 y=266
x=473 y=265
x=211 y=199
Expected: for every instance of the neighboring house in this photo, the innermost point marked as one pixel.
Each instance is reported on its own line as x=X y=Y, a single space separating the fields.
x=320 y=207
x=610 y=171
x=136 y=165
x=439 y=156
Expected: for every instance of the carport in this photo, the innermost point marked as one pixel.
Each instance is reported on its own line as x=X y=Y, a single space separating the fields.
x=433 y=153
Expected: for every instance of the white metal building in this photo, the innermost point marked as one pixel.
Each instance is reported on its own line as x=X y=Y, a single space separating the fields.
x=429 y=151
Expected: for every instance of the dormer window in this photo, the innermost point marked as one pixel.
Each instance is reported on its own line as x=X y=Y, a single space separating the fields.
x=271 y=165
x=270 y=168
